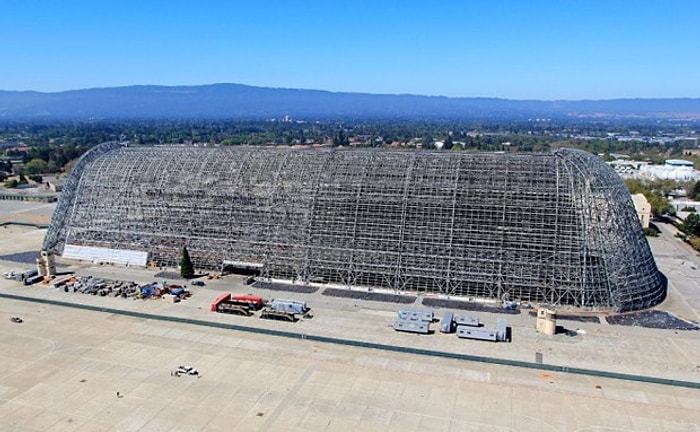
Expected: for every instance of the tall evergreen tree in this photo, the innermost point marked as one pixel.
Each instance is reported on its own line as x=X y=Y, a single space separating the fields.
x=340 y=139
x=448 y=143
x=186 y=267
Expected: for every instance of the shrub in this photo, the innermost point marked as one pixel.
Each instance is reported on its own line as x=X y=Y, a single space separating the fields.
x=36 y=166
x=651 y=232
x=694 y=242
x=691 y=225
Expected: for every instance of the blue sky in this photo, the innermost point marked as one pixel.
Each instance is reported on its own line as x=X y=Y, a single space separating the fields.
x=527 y=49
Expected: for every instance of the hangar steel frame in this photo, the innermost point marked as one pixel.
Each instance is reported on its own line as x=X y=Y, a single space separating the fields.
x=557 y=228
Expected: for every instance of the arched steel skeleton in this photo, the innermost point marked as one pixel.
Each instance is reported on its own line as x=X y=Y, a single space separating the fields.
x=557 y=227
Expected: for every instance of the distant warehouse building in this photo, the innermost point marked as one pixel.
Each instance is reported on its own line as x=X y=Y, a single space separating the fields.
x=558 y=228
x=672 y=169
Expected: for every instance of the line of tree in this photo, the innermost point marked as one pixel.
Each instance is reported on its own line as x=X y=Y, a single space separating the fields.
x=60 y=138
x=52 y=146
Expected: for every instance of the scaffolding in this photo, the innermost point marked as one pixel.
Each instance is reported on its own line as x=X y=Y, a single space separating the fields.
x=557 y=228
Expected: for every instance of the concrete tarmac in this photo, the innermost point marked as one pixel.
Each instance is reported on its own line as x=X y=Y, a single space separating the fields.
x=62 y=367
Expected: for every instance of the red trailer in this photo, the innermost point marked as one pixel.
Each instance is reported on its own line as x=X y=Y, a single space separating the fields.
x=241 y=304
x=222 y=298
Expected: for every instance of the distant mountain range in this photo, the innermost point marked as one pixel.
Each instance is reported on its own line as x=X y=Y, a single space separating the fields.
x=236 y=101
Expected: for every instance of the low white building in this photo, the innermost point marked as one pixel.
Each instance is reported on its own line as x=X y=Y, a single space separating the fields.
x=672 y=169
x=678 y=163
x=627 y=168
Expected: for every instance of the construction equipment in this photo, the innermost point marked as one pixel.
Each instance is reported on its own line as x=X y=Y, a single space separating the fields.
x=499 y=334
x=248 y=304
x=286 y=310
x=417 y=315
x=237 y=304
x=254 y=302
x=451 y=322
x=30 y=273
x=465 y=332
x=412 y=326
x=414 y=320
x=466 y=321
x=447 y=324
x=20 y=276
x=148 y=291
x=59 y=281
x=178 y=292
x=218 y=300
x=34 y=279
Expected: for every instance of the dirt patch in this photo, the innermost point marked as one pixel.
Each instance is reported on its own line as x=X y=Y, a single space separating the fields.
x=652 y=319
x=370 y=296
x=300 y=289
x=468 y=306
x=576 y=318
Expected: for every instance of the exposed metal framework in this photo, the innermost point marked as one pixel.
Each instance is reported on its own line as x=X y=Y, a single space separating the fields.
x=557 y=227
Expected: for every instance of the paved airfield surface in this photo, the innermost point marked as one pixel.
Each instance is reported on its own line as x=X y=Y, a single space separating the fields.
x=62 y=367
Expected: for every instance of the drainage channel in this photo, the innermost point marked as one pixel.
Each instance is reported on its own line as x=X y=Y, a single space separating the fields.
x=371 y=345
